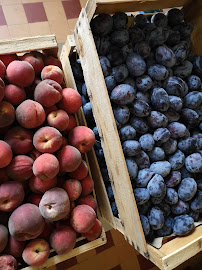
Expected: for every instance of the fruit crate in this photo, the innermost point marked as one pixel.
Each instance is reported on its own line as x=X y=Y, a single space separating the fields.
x=176 y=250
x=49 y=47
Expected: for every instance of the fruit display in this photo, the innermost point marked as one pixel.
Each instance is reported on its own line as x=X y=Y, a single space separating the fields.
x=46 y=192
x=153 y=82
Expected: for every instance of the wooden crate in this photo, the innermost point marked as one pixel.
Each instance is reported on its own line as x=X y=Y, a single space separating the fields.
x=48 y=45
x=180 y=249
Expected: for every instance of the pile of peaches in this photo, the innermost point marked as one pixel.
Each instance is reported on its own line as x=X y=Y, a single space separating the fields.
x=46 y=197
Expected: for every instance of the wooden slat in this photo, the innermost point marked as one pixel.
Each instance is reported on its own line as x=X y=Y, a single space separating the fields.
x=109 y=136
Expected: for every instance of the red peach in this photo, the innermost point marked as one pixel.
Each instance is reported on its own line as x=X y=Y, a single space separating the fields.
x=2 y=89
x=49 y=227
x=3 y=237
x=7 y=114
x=19 y=139
x=54 y=204
x=14 y=94
x=47 y=139
x=63 y=239
x=3 y=175
x=35 y=59
x=50 y=109
x=72 y=124
x=81 y=172
x=87 y=185
x=2 y=70
x=34 y=198
x=48 y=88
x=5 y=154
x=46 y=166
x=15 y=247
x=50 y=60
x=34 y=154
x=40 y=186
x=52 y=73
x=8 y=58
x=73 y=188
x=81 y=137
x=20 y=73
x=71 y=100
x=8 y=262
x=58 y=119
x=94 y=232
x=26 y=222
x=20 y=168
x=30 y=114
x=69 y=158
x=36 y=252
x=11 y=195
x=88 y=200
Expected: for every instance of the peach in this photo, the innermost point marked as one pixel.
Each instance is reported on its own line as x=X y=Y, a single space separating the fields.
x=50 y=60
x=49 y=227
x=72 y=124
x=94 y=232
x=15 y=247
x=63 y=239
x=5 y=154
x=8 y=58
x=40 y=186
x=35 y=59
x=46 y=166
x=30 y=114
x=7 y=114
x=3 y=237
x=71 y=100
x=88 y=200
x=26 y=222
x=36 y=252
x=11 y=195
x=48 y=88
x=2 y=89
x=34 y=198
x=82 y=218
x=14 y=94
x=47 y=139
x=64 y=142
x=8 y=262
x=20 y=73
x=2 y=70
x=34 y=154
x=87 y=185
x=58 y=119
x=20 y=168
x=81 y=172
x=50 y=109
x=3 y=175
x=81 y=137
x=69 y=158
x=54 y=204
x=73 y=188
x=52 y=72
x=19 y=139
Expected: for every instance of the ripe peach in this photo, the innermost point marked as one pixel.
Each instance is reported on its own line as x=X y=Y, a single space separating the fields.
x=54 y=204
x=11 y=195
x=87 y=185
x=34 y=154
x=69 y=158
x=14 y=94
x=7 y=114
x=82 y=218
x=48 y=228
x=36 y=252
x=46 y=166
x=2 y=70
x=20 y=73
x=81 y=172
x=19 y=139
x=88 y=200
x=35 y=59
x=15 y=247
x=47 y=139
x=81 y=137
x=3 y=237
x=50 y=89
x=63 y=239
x=73 y=188
x=58 y=119
x=40 y=186
x=50 y=109
x=71 y=100
x=52 y=73
x=26 y=222
x=34 y=198
x=3 y=175
x=72 y=124
x=50 y=60
x=94 y=232
x=20 y=168
x=5 y=154
x=2 y=89
x=8 y=262
x=30 y=114
x=8 y=58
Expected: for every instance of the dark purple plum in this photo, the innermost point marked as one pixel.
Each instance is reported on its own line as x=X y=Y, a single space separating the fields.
x=143 y=49
x=156 y=186
x=173 y=38
x=183 y=225
x=183 y=70
x=143 y=96
x=167 y=228
x=180 y=208
x=157 y=119
x=156 y=154
x=120 y=20
x=185 y=29
x=144 y=83
x=142 y=160
x=147 y=142
x=130 y=81
x=188 y=145
x=159 y=19
x=160 y=99
x=157 y=37
x=194 y=215
x=105 y=65
x=196 y=204
x=193 y=163
x=161 y=135
x=140 y=108
x=172 y=116
x=104 y=45
x=110 y=83
x=144 y=208
x=135 y=64
x=141 y=195
x=187 y=189
x=193 y=99
x=136 y=35
x=170 y=146
x=177 y=160
x=123 y=94
x=157 y=72
x=127 y=132
x=140 y=20
x=127 y=49
x=180 y=52
x=122 y=114
x=161 y=167
x=120 y=73
x=139 y=124
x=171 y=196
x=165 y=56
x=143 y=178
x=175 y=103
x=102 y=24
x=175 y=86
x=189 y=117
x=132 y=167
x=177 y=130
x=156 y=218
x=119 y=37
x=115 y=56
x=175 y=16
x=131 y=148
x=145 y=224
x=173 y=179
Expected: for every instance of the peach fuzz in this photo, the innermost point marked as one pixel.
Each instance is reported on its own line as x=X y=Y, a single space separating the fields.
x=2 y=70
x=81 y=172
x=8 y=262
x=14 y=94
x=36 y=252
x=2 y=89
x=34 y=198
x=20 y=73
x=37 y=185
x=88 y=200
x=20 y=168
x=47 y=139
x=11 y=196
x=94 y=232
x=87 y=185
x=52 y=72
x=3 y=175
x=5 y=154
x=3 y=237
x=7 y=114
x=48 y=88
x=30 y=114
x=19 y=139
x=72 y=124
x=35 y=59
x=69 y=158
x=71 y=100
x=46 y=166
x=15 y=247
x=54 y=204
x=63 y=239
x=8 y=58
x=58 y=119
x=48 y=228
x=30 y=229
x=50 y=60
x=73 y=189
x=34 y=154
